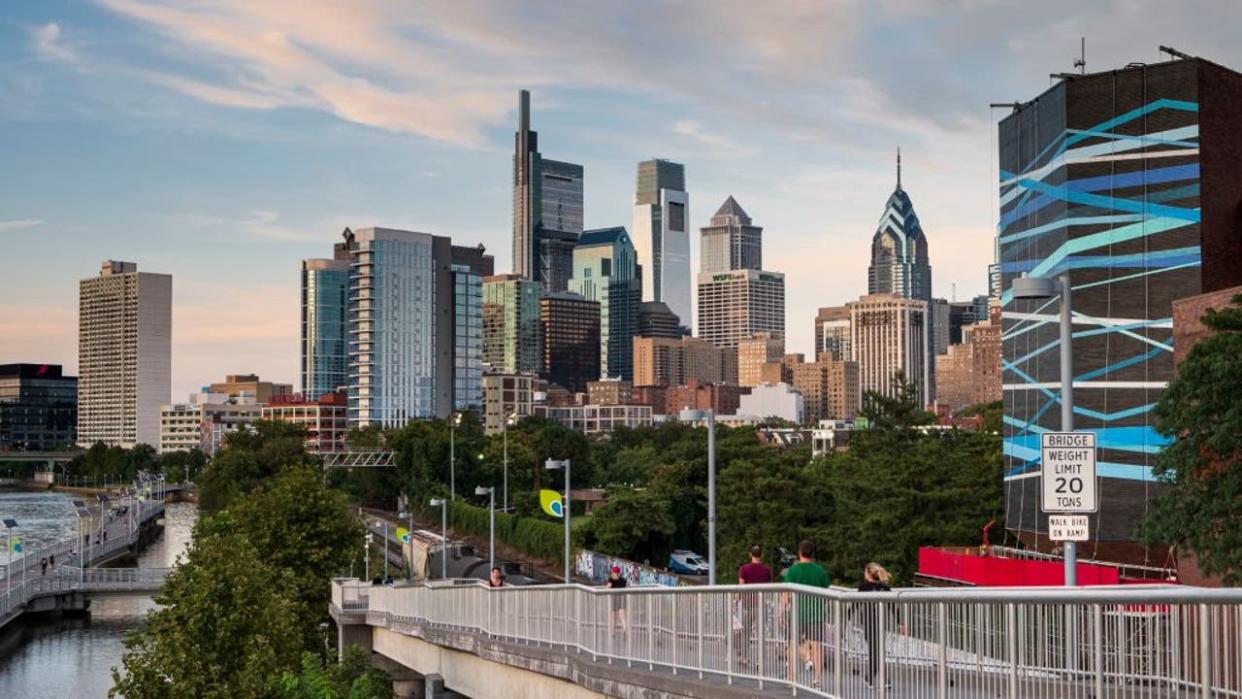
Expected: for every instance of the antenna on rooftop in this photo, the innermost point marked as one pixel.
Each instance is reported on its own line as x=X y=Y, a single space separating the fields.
x=1081 y=62
x=1174 y=52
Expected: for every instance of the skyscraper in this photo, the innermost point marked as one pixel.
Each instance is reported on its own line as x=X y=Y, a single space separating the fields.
x=832 y=333
x=1128 y=181
x=606 y=270
x=890 y=338
x=124 y=355
x=470 y=266
x=400 y=343
x=570 y=328
x=511 y=333
x=38 y=408
x=661 y=234
x=735 y=305
x=755 y=351
x=899 y=263
x=325 y=312
x=547 y=208
x=731 y=241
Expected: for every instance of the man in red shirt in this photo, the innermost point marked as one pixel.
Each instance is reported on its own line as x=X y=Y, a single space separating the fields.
x=753 y=573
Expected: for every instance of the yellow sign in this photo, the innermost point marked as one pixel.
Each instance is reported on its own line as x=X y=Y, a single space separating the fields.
x=550 y=501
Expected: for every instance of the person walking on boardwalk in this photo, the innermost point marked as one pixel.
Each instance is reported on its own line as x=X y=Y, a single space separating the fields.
x=875 y=579
x=616 y=581
x=753 y=573
x=811 y=618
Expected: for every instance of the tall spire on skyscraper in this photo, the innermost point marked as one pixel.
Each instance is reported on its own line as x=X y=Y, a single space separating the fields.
x=898 y=167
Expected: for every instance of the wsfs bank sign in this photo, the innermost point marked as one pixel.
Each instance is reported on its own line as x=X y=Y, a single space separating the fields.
x=1069 y=483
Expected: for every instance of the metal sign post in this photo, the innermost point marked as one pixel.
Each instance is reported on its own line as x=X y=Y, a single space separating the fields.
x=1068 y=485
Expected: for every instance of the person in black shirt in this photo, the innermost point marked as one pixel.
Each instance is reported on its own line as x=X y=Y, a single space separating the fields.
x=617 y=582
x=875 y=579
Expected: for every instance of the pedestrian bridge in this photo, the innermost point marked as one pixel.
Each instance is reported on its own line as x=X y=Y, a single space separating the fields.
x=69 y=589
x=781 y=640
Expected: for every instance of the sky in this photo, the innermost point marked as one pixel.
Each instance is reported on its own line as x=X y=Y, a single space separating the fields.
x=222 y=141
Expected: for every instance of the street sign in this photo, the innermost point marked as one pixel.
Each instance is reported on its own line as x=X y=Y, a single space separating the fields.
x=1068 y=528
x=1068 y=472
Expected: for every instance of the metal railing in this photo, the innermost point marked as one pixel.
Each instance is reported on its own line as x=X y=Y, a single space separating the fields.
x=1125 y=641
x=14 y=598
x=66 y=551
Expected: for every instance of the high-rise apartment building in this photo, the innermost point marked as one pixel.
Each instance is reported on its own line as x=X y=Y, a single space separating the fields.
x=660 y=361
x=737 y=304
x=470 y=266
x=400 y=327
x=970 y=372
x=570 y=328
x=940 y=313
x=731 y=241
x=547 y=208
x=832 y=332
x=661 y=234
x=606 y=270
x=755 y=351
x=124 y=354
x=1129 y=182
x=890 y=339
x=830 y=388
x=511 y=332
x=38 y=408
x=325 y=313
x=961 y=314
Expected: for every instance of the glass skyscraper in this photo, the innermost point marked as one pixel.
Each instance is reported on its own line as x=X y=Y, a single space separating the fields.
x=547 y=208
x=511 y=333
x=661 y=234
x=325 y=345
x=731 y=241
x=606 y=270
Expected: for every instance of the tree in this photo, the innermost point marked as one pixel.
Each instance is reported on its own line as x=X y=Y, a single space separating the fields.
x=225 y=623
x=993 y=413
x=352 y=678
x=899 y=411
x=633 y=524
x=1201 y=414
x=764 y=503
x=249 y=457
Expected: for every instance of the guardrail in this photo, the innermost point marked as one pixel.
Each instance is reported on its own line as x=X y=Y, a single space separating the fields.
x=1123 y=641
x=69 y=579
x=68 y=550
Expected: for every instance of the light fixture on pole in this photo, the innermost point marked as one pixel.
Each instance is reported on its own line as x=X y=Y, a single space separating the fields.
x=491 y=524
x=83 y=513
x=1034 y=288
x=454 y=422
x=555 y=465
x=689 y=415
x=9 y=525
x=443 y=505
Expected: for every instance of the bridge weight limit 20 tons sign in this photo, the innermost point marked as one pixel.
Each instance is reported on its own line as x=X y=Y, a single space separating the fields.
x=1068 y=473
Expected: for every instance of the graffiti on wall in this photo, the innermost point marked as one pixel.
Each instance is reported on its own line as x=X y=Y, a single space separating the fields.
x=597 y=566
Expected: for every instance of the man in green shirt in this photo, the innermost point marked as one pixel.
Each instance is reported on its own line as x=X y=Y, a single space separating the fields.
x=812 y=628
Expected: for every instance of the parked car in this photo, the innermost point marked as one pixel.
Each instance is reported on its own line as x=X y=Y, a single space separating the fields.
x=687 y=563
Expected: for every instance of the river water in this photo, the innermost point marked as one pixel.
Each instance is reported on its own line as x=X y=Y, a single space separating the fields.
x=66 y=658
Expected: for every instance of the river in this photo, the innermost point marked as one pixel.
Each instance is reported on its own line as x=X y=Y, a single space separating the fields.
x=65 y=658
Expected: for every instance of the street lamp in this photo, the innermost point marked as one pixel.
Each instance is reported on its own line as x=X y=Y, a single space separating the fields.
x=443 y=505
x=9 y=525
x=689 y=415
x=555 y=465
x=510 y=419
x=1025 y=287
x=454 y=423
x=491 y=523
x=366 y=554
x=83 y=514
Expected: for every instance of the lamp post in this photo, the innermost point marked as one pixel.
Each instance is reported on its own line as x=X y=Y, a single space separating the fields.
x=83 y=514
x=491 y=523
x=443 y=505
x=366 y=554
x=386 y=581
x=510 y=418
x=454 y=422
x=1025 y=287
x=554 y=465
x=710 y=415
x=9 y=526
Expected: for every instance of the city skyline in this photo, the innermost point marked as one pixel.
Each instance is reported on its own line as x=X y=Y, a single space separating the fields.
x=224 y=165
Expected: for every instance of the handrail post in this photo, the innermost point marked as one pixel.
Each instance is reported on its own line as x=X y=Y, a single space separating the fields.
x=759 y=643
x=675 y=638
x=838 y=652
x=1205 y=649
x=698 y=596
x=942 y=653
x=1097 y=614
x=650 y=634
x=1011 y=613
x=728 y=650
x=795 y=647
x=881 y=632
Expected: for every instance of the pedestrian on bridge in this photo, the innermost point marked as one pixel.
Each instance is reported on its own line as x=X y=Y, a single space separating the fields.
x=616 y=581
x=748 y=611
x=44 y=564
x=875 y=579
x=811 y=616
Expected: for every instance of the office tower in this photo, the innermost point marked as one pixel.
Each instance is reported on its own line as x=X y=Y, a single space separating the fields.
x=832 y=332
x=469 y=267
x=1128 y=181
x=731 y=241
x=656 y=320
x=661 y=234
x=961 y=314
x=890 y=339
x=325 y=313
x=899 y=263
x=249 y=386
x=38 y=408
x=124 y=355
x=755 y=351
x=606 y=270
x=570 y=328
x=830 y=388
x=940 y=325
x=661 y=361
x=970 y=372
x=400 y=327
x=737 y=304
x=547 y=208
x=511 y=333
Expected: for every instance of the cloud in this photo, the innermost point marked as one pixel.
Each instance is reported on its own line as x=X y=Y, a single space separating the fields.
x=718 y=145
x=6 y=226
x=49 y=44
